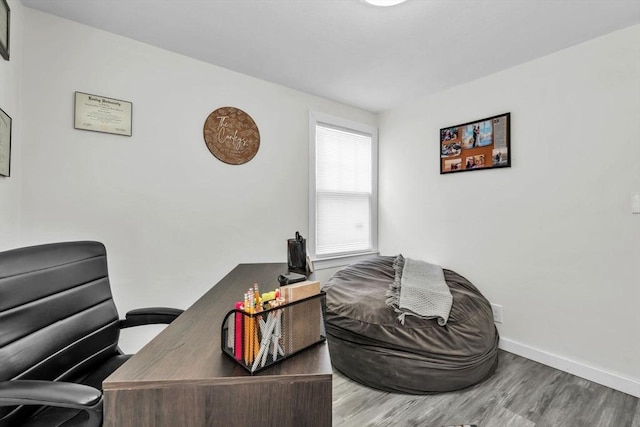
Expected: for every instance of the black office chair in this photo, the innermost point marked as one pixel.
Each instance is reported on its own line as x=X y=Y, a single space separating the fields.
x=59 y=332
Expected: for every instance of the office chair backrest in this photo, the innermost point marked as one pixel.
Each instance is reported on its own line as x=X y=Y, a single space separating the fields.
x=57 y=316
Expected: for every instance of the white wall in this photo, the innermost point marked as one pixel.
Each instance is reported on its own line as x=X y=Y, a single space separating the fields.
x=552 y=238
x=10 y=102
x=174 y=219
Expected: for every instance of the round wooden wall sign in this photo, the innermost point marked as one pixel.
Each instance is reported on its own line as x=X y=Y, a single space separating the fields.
x=231 y=135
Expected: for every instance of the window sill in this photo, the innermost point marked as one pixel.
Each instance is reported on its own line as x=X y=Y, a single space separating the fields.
x=341 y=261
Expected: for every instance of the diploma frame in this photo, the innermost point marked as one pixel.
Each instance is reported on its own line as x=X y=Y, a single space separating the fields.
x=101 y=114
x=5 y=16
x=5 y=144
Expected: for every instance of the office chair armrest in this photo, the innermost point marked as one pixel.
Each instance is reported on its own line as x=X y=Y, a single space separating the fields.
x=54 y=393
x=50 y=393
x=150 y=316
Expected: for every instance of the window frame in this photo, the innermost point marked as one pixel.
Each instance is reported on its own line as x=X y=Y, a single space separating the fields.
x=338 y=259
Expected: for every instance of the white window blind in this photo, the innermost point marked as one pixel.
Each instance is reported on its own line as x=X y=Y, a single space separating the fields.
x=344 y=191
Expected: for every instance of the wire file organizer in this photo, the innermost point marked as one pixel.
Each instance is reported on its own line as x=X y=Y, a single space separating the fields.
x=259 y=340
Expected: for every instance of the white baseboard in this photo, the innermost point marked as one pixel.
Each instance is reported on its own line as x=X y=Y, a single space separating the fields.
x=616 y=382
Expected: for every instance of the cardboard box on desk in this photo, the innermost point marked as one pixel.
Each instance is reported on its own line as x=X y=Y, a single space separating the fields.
x=301 y=322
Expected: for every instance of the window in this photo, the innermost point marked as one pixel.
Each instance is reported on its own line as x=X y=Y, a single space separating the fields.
x=342 y=188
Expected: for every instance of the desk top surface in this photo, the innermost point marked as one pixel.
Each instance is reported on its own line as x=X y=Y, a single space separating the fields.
x=188 y=350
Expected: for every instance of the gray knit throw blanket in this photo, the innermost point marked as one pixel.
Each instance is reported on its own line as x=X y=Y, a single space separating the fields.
x=419 y=289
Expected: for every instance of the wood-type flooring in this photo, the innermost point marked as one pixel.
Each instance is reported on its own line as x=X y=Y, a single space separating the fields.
x=522 y=393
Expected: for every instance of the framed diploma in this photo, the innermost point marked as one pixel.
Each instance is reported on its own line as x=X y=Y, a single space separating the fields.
x=101 y=114
x=5 y=143
x=4 y=29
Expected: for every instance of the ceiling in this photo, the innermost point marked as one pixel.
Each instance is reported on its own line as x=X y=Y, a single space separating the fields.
x=369 y=57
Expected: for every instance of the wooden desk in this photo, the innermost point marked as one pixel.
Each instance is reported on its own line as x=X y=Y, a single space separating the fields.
x=181 y=378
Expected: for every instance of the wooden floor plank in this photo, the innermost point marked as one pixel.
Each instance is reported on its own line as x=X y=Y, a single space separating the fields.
x=636 y=418
x=521 y=393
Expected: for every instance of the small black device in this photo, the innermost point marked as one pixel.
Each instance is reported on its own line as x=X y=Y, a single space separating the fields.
x=289 y=278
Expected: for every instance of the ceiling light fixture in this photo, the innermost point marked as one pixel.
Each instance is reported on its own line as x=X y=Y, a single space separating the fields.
x=384 y=3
